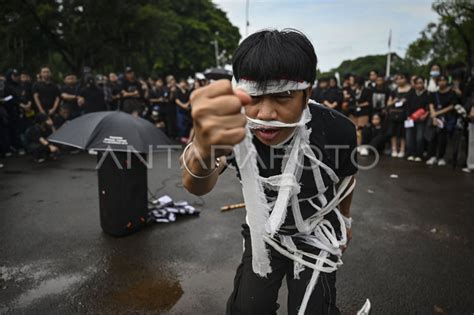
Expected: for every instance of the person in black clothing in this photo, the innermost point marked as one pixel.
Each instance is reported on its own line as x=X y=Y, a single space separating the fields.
x=333 y=96
x=37 y=138
x=218 y=117
x=443 y=117
x=12 y=106
x=397 y=114
x=373 y=135
x=319 y=93
x=363 y=104
x=380 y=96
x=26 y=102
x=183 y=111
x=373 y=75
x=91 y=97
x=417 y=111
x=172 y=91
x=46 y=94
x=132 y=93
x=115 y=90
x=70 y=95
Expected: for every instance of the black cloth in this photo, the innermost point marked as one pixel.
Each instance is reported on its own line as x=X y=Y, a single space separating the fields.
x=379 y=99
x=442 y=100
x=319 y=95
x=328 y=128
x=362 y=96
x=115 y=90
x=334 y=94
x=398 y=114
x=374 y=136
x=58 y=121
x=93 y=99
x=415 y=101
x=47 y=93
x=253 y=294
x=35 y=132
x=132 y=86
x=71 y=105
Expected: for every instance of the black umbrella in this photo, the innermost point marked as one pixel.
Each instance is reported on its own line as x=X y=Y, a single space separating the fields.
x=217 y=74
x=112 y=130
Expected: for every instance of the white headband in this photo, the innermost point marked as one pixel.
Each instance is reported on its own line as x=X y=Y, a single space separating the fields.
x=272 y=86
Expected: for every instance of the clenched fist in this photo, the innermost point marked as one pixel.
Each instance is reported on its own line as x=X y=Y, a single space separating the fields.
x=218 y=121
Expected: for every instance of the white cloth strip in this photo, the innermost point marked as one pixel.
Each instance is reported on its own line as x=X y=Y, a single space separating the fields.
x=271 y=87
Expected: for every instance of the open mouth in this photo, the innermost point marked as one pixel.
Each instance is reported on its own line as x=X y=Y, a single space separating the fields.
x=267 y=134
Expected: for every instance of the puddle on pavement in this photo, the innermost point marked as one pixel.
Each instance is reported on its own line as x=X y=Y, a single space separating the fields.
x=152 y=294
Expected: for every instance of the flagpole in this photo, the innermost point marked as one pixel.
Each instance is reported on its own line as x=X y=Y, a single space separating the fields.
x=247 y=18
x=387 y=70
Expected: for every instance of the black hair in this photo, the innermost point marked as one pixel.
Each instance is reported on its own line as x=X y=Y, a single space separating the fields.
x=275 y=55
x=419 y=77
x=376 y=72
x=360 y=81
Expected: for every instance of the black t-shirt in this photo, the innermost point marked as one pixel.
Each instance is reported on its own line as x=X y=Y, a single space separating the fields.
x=71 y=90
x=334 y=94
x=329 y=128
x=47 y=92
x=362 y=96
x=380 y=98
x=183 y=96
x=402 y=97
x=442 y=100
x=415 y=101
x=93 y=99
x=319 y=95
x=35 y=132
x=132 y=86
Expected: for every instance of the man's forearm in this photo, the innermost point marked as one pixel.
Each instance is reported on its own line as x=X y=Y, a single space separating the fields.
x=38 y=102
x=199 y=167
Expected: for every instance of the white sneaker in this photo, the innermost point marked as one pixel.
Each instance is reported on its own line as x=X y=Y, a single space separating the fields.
x=411 y=158
x=92 y=152
x=418 y=159
x=441 y=162
x=466 y=170
x=1 y=165
x=401 y=154
x=431 y=161
x=394 y=154
x=364 y=151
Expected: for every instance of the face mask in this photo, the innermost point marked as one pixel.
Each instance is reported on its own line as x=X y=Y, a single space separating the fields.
x=434 y=73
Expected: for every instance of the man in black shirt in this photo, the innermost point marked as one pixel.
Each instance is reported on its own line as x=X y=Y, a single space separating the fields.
x=91 y=97
x=115 y=90
x=183 y=110
x=37 y=138
x=301 y=185
x=46 y=93
x=131 y=92
x=70 y=95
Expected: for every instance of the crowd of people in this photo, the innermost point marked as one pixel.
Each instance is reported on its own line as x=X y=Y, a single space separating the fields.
x=31 y=111
x=409 y=116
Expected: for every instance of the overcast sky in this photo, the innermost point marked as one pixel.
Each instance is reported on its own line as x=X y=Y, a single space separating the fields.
x=338 y=29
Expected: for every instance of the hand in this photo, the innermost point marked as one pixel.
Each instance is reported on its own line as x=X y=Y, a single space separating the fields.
x=51 y=112
x=53 y=148
x=217 y=117
x=349 y=238
x=80 y=101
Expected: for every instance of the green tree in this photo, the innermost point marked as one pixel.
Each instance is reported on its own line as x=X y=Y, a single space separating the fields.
x=449 y=41
x=154 y=36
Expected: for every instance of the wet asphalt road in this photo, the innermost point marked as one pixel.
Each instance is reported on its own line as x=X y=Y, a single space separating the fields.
x=412 y=251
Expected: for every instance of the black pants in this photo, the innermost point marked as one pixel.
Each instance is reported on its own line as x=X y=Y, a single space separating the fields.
x=254 y=295
x=437 y=146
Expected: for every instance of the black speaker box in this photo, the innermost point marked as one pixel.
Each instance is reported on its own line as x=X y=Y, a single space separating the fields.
x=122 y=192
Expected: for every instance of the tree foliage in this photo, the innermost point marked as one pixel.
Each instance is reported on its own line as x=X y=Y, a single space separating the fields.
x=449 y=41
x=153 y=36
